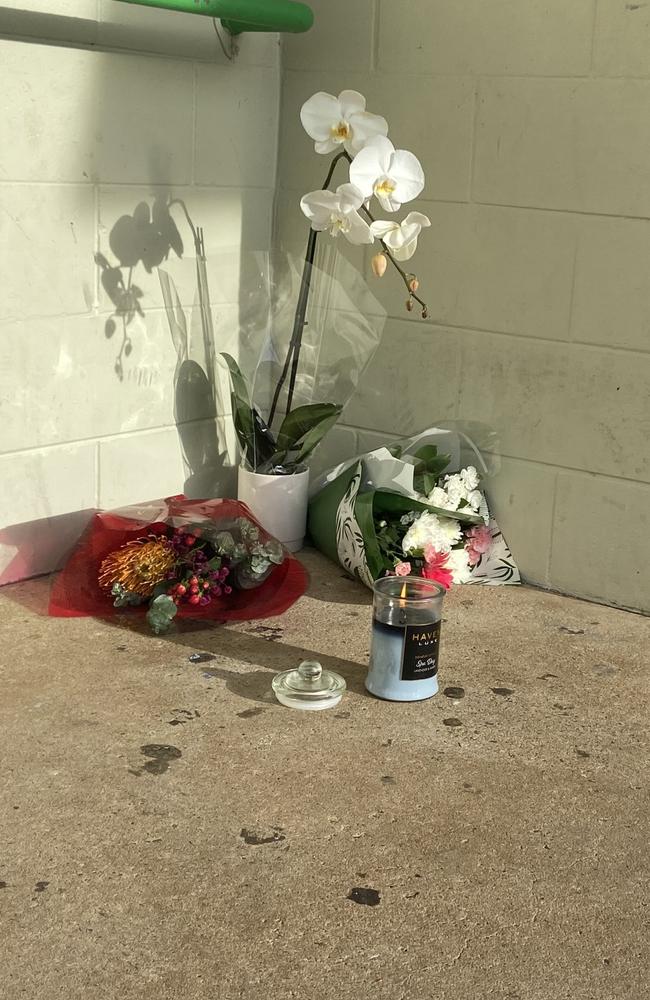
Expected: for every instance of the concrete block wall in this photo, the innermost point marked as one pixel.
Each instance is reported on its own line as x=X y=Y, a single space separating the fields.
x=142 y=104
x=532 y=122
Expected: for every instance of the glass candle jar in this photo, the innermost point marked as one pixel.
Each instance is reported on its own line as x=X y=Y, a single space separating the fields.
x=406 y=616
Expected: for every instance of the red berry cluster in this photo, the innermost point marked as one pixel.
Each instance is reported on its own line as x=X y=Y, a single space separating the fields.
x=194 y=581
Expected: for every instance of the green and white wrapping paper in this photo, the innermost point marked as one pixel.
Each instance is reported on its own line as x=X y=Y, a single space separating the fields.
x=346 y=500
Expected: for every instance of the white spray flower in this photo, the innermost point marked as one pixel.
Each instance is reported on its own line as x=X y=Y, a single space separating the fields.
x=440 y=498
x=470 y=477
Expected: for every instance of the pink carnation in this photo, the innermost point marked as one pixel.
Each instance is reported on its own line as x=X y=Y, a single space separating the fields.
x=477 y=542
x=436 y=568
x=403 y=569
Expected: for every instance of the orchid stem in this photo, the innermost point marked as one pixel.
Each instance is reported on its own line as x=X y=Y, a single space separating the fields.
x=295 y=344
x=405 y=277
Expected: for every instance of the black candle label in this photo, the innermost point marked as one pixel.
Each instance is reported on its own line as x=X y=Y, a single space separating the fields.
x=420 y=652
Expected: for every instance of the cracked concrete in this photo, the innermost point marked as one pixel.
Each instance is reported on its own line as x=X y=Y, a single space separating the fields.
x=169 y=831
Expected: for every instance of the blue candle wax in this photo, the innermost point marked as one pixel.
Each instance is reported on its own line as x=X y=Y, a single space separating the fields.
x=404 y=657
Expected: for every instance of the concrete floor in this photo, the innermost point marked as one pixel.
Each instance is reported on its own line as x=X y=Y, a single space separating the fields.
x=509 y=851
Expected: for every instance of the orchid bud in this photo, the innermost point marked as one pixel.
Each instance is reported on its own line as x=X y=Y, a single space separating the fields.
x=414 y=284
x=409 y=305
x=379 y=265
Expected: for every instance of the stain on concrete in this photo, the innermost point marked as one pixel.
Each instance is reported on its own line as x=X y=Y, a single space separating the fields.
x=269 y=632
x=4 y=885
x=454 y=692
x=411 y=895
x=183 y=715
x=547 y=677
x=605 y=669
x=201 y=657
x=387 y=743
x=388 y=779
x=342 y=715
x=503 y=692
x=41 y=886
x=582 y=753
x=255 y=837
x=365 y=897
x=250 y=713
x=161 y=755
x=452 y=723
x=570 y=631
x=121 y=649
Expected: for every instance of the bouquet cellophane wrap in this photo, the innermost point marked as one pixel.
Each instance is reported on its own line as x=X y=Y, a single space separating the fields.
x=76 y=591
x=346 y=499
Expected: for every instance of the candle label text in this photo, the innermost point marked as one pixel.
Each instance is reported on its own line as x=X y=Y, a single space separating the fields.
x=420 y=652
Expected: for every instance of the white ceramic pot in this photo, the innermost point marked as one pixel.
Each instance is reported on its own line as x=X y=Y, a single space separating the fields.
x=279 y=503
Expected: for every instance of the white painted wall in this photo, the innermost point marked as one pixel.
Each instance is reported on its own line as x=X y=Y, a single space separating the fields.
x=86 y=134
x=532 y=121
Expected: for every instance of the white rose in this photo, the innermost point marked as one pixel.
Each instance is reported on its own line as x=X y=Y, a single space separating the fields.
x=475 y=499
x=458 y=564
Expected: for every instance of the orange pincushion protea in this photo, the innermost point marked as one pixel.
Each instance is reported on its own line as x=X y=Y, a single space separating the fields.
x=139 y=566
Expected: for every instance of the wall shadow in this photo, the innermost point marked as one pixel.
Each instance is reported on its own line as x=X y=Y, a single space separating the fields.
x=149 y=237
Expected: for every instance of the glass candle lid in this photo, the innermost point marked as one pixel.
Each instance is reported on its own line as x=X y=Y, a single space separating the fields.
x=309 y=687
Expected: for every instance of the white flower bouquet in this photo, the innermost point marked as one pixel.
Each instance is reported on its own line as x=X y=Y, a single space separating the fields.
x=397 y=510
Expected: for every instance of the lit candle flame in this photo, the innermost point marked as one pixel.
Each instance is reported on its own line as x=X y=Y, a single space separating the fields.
x=402 y=598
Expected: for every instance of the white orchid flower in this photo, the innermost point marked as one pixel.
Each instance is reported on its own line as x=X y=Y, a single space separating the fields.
x=401 y=238
x=392 y=175
x=337 y=212
x=340 y=121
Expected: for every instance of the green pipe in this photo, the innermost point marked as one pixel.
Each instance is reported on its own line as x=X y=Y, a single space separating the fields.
x=243 y=15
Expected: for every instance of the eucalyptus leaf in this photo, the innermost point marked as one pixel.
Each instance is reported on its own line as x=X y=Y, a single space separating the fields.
x=124 y=598
x=161 y=613
x=224 y=543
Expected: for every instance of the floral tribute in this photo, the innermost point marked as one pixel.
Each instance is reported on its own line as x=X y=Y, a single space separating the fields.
x=438 y=546
x=206 y=558
x=394 y=177
x=396 y=510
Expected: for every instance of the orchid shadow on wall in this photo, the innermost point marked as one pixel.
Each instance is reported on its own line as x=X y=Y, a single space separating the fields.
x=146 y=239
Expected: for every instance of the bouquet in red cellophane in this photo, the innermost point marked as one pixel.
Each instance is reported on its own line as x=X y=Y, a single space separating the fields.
x=206 y=559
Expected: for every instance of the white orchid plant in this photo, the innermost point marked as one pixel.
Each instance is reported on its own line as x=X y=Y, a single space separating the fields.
x=340 y=126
